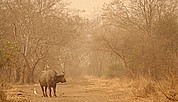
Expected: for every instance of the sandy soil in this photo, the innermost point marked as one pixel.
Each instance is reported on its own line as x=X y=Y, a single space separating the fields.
x=81 y=90
x=74 y=90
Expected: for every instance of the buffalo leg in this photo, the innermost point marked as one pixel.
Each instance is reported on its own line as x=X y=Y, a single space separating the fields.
x=46 y=95
x=42 y=88
x=54 y=89
x=49 y=91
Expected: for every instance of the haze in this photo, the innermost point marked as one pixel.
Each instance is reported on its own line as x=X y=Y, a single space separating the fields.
x=88 y=51
x=89 y=6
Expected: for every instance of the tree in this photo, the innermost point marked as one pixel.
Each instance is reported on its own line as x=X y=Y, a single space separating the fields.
x=132 y=34
x=38 y=27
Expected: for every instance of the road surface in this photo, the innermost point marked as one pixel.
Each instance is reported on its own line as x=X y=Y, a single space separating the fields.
x=74 y=90
x=83 y=90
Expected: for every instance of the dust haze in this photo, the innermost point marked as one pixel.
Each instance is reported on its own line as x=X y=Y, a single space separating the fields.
x=107 y=50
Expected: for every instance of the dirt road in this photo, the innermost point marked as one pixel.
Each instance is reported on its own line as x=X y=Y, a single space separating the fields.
x=85 y=90
x=74 y=90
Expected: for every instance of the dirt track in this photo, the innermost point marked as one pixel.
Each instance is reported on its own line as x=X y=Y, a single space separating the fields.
x=83 y=90
x=74 y=90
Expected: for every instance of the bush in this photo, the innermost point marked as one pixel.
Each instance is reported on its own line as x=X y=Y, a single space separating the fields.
x=3 y=88
x=115 y=70
x=3 y=96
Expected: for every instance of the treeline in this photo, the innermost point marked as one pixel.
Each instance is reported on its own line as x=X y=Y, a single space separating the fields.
x=136 y=38
x=133 y=38
x=35 y=34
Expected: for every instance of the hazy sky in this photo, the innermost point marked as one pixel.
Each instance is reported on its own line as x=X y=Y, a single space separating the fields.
x=88 y=5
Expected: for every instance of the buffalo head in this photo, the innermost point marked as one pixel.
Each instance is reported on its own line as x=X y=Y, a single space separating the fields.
x=60 y=78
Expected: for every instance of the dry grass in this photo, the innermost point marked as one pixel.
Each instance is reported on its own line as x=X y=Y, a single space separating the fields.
x=92 y=88
x=118 y=90
x=127 y=90
x=9 y=93
x=3 y=88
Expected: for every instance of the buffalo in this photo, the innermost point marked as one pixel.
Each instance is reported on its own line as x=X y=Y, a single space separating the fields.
x=49 y=78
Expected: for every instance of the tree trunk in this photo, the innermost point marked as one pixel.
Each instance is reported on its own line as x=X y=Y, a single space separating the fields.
x=23 y=76
x=18 y=75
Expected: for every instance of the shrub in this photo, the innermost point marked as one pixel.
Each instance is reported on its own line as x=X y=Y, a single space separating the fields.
x=3 y=88
x=3 y=96
x=115 y=70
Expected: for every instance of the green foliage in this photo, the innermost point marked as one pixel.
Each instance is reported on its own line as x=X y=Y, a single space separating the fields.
x=115 y=70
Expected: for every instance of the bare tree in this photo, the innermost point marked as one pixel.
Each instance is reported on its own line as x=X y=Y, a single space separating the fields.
x=38 y=27
x=133 y=35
